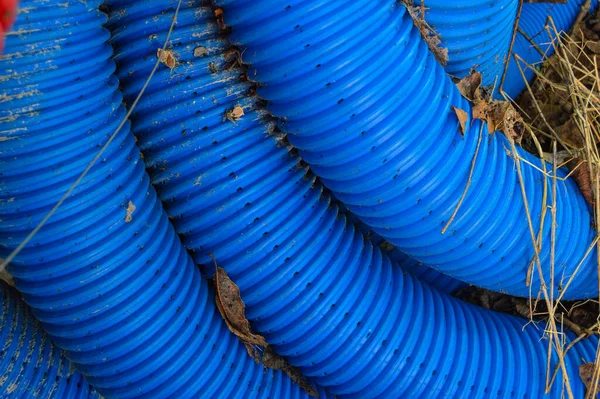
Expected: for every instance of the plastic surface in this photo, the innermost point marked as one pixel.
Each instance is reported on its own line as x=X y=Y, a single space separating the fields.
x=30 y=365
x=332 y=303
x=373 y=119
x=192 y=196
x=111 y=284
x=433 y=278
x=477 y=34
x=534 y=19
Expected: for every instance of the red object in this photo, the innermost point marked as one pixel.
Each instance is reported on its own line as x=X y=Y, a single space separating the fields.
x=8 y=12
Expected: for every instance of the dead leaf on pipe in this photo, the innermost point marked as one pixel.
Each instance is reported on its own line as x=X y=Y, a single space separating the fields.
x=232 y=309
x=469 y=86
x=272 y=360
x=586 y=372
x=220 y=17
x=463 y=118
x=499 y=115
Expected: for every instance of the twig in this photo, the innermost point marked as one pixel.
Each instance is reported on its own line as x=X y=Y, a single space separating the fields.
x=464 y=194
x=512 y=44
x=66 y=195
x=585 y=8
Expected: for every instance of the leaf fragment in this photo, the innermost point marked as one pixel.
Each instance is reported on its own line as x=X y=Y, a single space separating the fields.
x=272 y=360
x=498 y=115
x=129 y=212
x=463 y=118
x=234 y=114
x=232 y=309
x=586 y=372
x=220 y=17
x=167 y=57
x=469 y=86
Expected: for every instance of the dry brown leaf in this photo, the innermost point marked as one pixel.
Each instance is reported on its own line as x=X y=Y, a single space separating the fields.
x=463 y=118
x=581 y=175
x=272 y=360
x=232 y=309
x=570 y=133
x=220 y=17
x=586 y=372
x=234 y=114
x=129 y=212
x=499 y=115
x=469 y=86
x=167 y=57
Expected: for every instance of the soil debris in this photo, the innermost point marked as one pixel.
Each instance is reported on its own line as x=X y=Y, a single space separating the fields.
x=129 y=212
x=433 y=39
x=579 y=316
x=232 y=309
x=167 y=57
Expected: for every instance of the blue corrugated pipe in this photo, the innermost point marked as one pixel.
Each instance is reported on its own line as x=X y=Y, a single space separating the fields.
x=331 y=302
x=30 y=366
x=477 y=34
x=128 y=59
x=113 y=287
x=534 y=18
x=432 y=277
x=369 y=108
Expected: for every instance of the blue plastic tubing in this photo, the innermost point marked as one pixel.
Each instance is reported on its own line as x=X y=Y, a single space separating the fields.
x=122 y=298
x=30 y=366
x=369 y=108
x=432 y=277
x=534 y=19
x=477 y=34
x=332 y=303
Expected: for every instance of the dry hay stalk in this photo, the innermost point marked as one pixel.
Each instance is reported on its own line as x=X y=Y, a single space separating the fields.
x=571 y=76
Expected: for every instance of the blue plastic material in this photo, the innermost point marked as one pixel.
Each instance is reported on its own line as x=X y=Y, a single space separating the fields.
x=477 y=34
x=329 y=301
x=135 y=59
x=534 y=18
x=433 y=278
x=369 y=108
x=30 y=365
x=118 y=293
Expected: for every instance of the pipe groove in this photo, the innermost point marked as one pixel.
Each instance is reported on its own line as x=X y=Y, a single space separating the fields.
x=30 y=365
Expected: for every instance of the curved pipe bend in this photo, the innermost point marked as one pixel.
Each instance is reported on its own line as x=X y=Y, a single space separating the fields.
x=369 y=109
x=330 y=301
x=107 y=276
